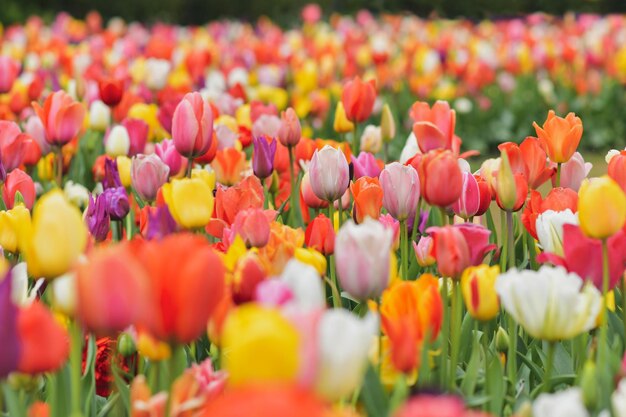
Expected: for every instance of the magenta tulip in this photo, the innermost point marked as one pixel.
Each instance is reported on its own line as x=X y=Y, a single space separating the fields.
x=192 y=126
x=12 y=145
x=365 y=165
x=168 y=154
x=469 y=202
x=138 y=133
x=477 y=238
x=401 y=190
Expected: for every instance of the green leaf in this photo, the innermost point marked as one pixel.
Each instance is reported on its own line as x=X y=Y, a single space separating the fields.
x=122 y=388
x=468 y=385
x=496 y=386
x=13 y=404
x=373 y=395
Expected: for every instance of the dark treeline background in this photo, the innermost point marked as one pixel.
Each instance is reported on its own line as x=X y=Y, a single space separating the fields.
x=286 y=12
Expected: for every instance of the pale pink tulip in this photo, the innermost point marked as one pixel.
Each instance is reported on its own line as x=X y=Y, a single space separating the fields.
x=574 y=171
x=401 y=190
x=147 y=174
x=329 y=173
x=192 y=126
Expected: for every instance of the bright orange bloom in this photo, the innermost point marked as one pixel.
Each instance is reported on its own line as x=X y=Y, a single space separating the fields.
x=186 y=284
x=560 y=136
x=368 y=198
x=320 y=235
x=358 y=98
x=228 y=165
x=230 y=201
x=280 y=249
x=39 y=409
x=538 y=170
x=409 y=311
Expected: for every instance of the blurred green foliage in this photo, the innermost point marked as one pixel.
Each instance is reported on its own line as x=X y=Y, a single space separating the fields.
x=286 y=12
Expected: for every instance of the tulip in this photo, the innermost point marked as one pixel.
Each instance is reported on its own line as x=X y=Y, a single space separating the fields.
x=186 y=284
x=190 y=201
x=428 y=405
x=99 y=116
x=371 y=140
x=362 y=254
x=290 y=132
x=308 y=196
x=148 y=174
x=617 y=169
x=530 y=297
x=538 y=171
x=35 y=129
x=368 y=198
x=485 y=196
x=18 y=181
x=468 y=204
x=168 y=154
x=253 y=225
x=10 y=348
x=365 y=165
x=574 y=171
x=401 y=190
x=601 y=207
x=263 y=156
x=358 y=99
x=341 y=124
x=320 y=235
x=450 y=249
x=312 y=258
x=97 y=218
x=12 y=145
x=329 y=174
x=251 y=329
x=477 y=238
x=560 y=136
x=192 y=126
x=305 y=285
x=558 y=199
x=9 y=70
x=55 y=220
x=343 y=343
x=63 y=294
x=77 y=194
x=440 y=177
x=489 y=171
x=433 y=127
x=160 y=223
x=61 y=116
x=111 y=91
x=387 y=124
x=228 y=166
x=12 y=222
x=156 y=73
x=138 y=134
x=424 y=251
x=549 y=227
x=117 y=141
x=111 y=287
x=479 y=292
x=409 y=311
x=230 y=201
x=566 y=403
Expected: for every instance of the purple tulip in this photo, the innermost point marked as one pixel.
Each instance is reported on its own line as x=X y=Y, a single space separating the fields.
x=10 y=346
x=263 y=156
x=117 y=205
x=97 y=218
x=111 y=174
x=160 y=223
x=365 y=165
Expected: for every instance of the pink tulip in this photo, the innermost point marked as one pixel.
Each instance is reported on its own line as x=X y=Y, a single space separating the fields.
x=401 y=190
x=329 y=173
x=253 y=225
x=574 y=171
x=433 y=127
x=308 y=196
x=273 y=293
x=392 y=224
x=147 y=174
x=12 y=145
x=61 y=117
x=266 y=125
x=290 y=131
x=20 y=181
x=362 y=254
x=34 y=128
x=450 y=249
x=365 y=165
x=192 y=126
x=424 y=251
x=138 y=133
x=9 y=70
x=168 y=154
x=469 y=202
x=477 y=238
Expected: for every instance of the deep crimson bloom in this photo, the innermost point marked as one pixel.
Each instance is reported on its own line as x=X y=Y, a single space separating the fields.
x=105 y=347
x=111 y=91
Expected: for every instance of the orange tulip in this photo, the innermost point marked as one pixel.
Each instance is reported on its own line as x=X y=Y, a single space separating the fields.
x=560 y=136
x=538 y=170
x=230 y=201
x=228 y=165
x=320 y=235
x=617 y=169
x=282 y=245
x=441 y=179
x=358 y=98
x=409 y=311
x=368 y=198
x=186 y=284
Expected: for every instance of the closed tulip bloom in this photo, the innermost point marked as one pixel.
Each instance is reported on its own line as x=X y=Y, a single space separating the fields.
x=451 y=250
x=560 y=136
x=308 y=196
x=117 y=141
x=424 y=251
x=289 y=132
x=111 y=287
x=320 y=235
x=368 y=198
x=617 y=169
x=478 y=285
x=99 y=116
x=485 y=196
x=387 y=124
x=358 y=98
x=97 y=218
x=148 y=173
x=9 y=70
x=117 y=204
x=61 y=116
x=574 y=171
x=601 y=207
x=329 y=173
x=35 y=129
x=192 y=126
x=12 y=145
x=229 y=165
x=190 y=201
x=549 y=304
x=250 y=330
x=55 y=220
x=185 y=286
x=341 y=124
x=365 y=165
x=433 y=127
x=441 y=178
x=549 y=227
x=12 y=222
x=362 y=254
x=477 y=238
x=489 y=171
x=111 y=91
x=468 y=204
x=506 y=190
x=168 y=154
x=343 y=343
x=401 y=187
x=371 y=139
x=18 y=181
x=263 y=156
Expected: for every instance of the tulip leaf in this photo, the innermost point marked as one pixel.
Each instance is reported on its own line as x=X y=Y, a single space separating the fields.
x=13 y=403
x=468 y=385
x=138 y=199
x=56 y=395
x=373 y=395
x=121 y=386
x=496 y=386
x=88 y=380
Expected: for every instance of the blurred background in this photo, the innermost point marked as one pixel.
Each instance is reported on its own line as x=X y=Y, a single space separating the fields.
x=286 y=12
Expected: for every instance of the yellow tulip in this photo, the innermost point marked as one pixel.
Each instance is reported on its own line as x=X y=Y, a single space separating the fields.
x=190 y=201
x=123 y=167
x=148 y=113
x=11 y=222
x=601 y=207
x=243 y=116
x=387 y=124
x=313 y=258
x=505 y=184
x=260 y=346
x=56 y=237
x=479 y=292
x=45 y=167
x=150 y=348
x=341 y=123
x=208 y=177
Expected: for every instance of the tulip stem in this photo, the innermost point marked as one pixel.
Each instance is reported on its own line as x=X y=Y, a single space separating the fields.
x=602 y=343
x=292 y=195
x=355 y=139
x=416 y=221
x=549 y=365
x=76 y=354
x=404 y=245
x=331 y=264
x=189 y=167
x=59 y=167
x=455 y=331
x=558 y=174
x=446 y=331
x=511 y=360
x=510 y=239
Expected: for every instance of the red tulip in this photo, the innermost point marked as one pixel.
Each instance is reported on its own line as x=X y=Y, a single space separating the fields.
x=111 y=91
x=358 y=99
x=441 y=179
x=451 y=250
x=320 y=235
x=18 y=180
x=485 y=195
x=61 y=116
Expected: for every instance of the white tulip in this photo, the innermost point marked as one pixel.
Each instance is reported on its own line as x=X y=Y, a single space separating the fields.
x=19 y=286
x=549 y=227
x=343 y=341
x=99 y=116
x=410 y=149
x=117 y=142
x=157 y=71
x=64 y=293
x=618 y=399
x=568 y=403
x=371 y=139
x=550 y=304
x=306 y=286
x=76 y=193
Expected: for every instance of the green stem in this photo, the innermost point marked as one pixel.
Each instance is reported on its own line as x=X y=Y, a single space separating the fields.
x=547 y=386
x=292 y=195
x=355 y=139
x=117 y=229
x=444 y=216
x=485 y=342
x=129 y=227
x=331 y=264
x=76 y=355
x=445 y=333
x=59 y=167
x=189 y=167
x=416 y=220
x=503 y=242
x=558 y=175
x=511 y=360
x=510 y=239
x=455 y=331
x=602 y=343
x=404 y=248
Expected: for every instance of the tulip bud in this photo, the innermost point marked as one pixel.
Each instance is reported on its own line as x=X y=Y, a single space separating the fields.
x=358 y=99
x=99 y=116
x=469 y=202
x=401 y=190
x=138 y=133
x=126 y=345
x=192 y=126
x=387 y=124
x=64 y=294
x=148 y=174
x=423 y=251
x=117 y=141
x=10 y=69
x=502 y=340
x=371 y=140
x=97 y=218
x=341 y=123
x=506 y=191
x=320 y=235
x=589 y=385
x=168 y=154
x=111 y=91
x=365 y=165
x=190 y=201
x=601 y=207
x=290 y=132
x=263 y=156
x=18 y=182
x=440 y=177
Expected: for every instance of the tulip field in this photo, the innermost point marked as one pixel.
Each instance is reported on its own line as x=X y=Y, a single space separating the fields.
x=368 y=215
